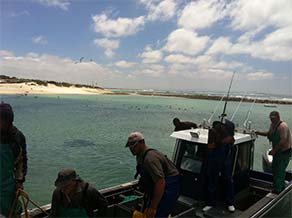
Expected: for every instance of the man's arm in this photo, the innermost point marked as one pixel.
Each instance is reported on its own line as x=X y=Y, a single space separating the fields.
x=96 y=200
x=262 y=133
x=159 y=189
x=55 y=202
x=21 y=160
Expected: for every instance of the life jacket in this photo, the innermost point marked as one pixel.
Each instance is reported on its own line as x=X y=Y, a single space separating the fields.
x=145 y=182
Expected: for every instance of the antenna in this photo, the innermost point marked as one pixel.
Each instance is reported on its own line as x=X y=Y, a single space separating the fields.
x=226 y=100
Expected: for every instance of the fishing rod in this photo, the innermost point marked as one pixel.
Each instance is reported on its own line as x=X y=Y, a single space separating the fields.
x=233 y=115
x=209 y=120
x=225 y=105
x=248 y=113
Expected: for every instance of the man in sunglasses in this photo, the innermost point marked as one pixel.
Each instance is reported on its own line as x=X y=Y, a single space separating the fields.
x=160 y=177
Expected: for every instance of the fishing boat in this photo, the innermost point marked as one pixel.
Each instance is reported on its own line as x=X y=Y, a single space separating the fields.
x=253 y=189
x=270 y=105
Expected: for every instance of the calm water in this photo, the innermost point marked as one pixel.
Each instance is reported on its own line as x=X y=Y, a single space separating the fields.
x=88 y=133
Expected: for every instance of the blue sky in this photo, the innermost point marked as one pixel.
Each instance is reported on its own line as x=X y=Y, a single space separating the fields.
x=150 y=44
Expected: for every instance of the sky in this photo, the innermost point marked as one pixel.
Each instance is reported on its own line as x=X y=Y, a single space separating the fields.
x=150 y=44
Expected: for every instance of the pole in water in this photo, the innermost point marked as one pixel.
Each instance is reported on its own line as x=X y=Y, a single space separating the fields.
x=225 y=105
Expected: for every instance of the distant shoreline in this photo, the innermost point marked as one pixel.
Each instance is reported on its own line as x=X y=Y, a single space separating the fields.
x=209 y=97
x=31 y=88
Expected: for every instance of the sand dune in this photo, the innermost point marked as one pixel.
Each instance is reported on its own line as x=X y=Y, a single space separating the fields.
x=33 y=88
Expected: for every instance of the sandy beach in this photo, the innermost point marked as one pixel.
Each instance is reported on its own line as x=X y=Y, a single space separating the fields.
x=33 y=88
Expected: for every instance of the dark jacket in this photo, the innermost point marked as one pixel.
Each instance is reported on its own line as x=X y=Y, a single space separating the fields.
x=88 y=198
x=183 y=125
x=18 y=146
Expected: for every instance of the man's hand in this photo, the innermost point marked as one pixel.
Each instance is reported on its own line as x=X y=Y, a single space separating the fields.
x=150 y=212
x=272 y=152
x=19 y=185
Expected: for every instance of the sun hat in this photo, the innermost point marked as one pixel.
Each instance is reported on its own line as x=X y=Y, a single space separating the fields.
x=134 y=138
x=65 y=176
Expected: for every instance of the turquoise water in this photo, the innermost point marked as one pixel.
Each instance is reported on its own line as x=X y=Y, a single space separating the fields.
x=88 y=133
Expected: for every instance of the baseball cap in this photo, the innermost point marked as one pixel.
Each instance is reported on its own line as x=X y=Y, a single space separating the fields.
x=134 y=138
x=274 y=114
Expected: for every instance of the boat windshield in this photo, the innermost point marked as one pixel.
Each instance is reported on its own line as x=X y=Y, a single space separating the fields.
x=192 y=156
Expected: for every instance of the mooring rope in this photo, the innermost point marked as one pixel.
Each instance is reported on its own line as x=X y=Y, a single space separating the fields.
x=25 y=200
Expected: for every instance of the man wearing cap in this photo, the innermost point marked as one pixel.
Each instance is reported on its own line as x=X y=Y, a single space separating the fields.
x=159 y=175
x=280 y=137
x=75 y=198
x=13 y=160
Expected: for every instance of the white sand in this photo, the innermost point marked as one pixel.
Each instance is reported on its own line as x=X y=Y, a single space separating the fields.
x=32 y=88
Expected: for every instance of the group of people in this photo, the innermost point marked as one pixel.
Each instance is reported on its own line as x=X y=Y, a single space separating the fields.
x=159 y=177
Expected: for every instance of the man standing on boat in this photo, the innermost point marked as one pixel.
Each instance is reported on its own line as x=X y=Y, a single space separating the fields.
x=13 y=161
x=75 y=198
x=158 y=174
x=220 y=140
x=183 y=125
x=280 y=136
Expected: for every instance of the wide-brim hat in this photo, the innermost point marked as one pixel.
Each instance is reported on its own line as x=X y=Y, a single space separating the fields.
x=65 y=176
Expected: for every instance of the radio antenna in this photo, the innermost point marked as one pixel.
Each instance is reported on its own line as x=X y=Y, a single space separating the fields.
x=226 y=100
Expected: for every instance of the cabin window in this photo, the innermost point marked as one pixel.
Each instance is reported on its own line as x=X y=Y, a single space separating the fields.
x=192 y=156
x=243 y=153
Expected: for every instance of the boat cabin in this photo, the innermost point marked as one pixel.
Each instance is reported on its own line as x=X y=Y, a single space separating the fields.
x=190 y=157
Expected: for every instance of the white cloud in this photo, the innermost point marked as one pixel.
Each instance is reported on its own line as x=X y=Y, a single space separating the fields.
x=275 y=46
x=220 y=45
x=108 y=45
x=124 y=64
x=119 y=27
x=49 y=67
x=41 y=40
x=5 y=54
x=151 y=56
x=201 y=14
x=62 y=4
x=151 y=70
x=185 y=41
x=260 y=76
x=160 y=10
x=254 y=14
x=178 y=59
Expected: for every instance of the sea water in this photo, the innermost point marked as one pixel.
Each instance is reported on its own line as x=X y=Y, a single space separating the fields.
x=89 y=133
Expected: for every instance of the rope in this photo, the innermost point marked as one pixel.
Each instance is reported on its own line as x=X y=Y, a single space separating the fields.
x=25 y=200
